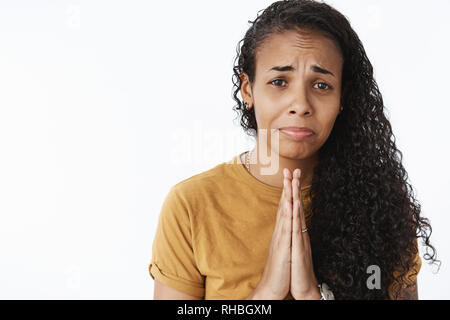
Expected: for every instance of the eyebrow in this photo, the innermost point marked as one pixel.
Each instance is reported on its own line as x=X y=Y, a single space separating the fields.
x=314 y=68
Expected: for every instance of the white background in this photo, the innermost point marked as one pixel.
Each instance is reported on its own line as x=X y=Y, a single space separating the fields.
x=99 y=101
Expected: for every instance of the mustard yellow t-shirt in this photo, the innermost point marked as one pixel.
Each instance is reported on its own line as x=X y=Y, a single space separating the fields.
x=214 y=231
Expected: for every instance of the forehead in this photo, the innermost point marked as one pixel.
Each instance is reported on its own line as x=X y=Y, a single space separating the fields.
x=296 y=47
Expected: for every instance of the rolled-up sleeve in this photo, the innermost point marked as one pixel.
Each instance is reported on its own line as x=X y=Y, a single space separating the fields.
x=173 y=261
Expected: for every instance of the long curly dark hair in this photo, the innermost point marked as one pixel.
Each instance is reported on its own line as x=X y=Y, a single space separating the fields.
x=363 y=209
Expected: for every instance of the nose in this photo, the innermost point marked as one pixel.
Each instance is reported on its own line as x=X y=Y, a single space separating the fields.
x=300 y=104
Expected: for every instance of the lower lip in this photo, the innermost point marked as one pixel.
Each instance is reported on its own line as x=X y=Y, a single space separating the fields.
x=297 y=134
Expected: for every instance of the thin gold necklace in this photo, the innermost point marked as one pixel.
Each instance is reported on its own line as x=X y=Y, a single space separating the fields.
x=247 y=164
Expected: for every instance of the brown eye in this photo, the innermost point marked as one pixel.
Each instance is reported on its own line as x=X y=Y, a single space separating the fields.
x=277 y=81
x=327 y=87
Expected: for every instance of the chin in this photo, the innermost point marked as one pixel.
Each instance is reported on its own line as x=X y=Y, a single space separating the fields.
x=294 y=153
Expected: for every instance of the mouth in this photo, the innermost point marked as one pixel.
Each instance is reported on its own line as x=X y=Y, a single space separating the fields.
x=297 y=133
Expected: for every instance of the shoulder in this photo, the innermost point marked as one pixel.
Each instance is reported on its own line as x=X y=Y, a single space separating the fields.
x=203 y=181
x=194 y=190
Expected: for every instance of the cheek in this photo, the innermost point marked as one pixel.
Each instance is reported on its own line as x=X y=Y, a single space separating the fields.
x=326 y=128
x=263 y=117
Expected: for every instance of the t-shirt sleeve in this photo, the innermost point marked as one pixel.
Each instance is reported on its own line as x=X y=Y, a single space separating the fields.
x=173 y=261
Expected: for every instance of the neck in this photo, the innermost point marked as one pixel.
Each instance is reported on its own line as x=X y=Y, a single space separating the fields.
x=274 y=177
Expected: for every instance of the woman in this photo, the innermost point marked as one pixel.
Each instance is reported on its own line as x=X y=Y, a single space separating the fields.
x=321 y=201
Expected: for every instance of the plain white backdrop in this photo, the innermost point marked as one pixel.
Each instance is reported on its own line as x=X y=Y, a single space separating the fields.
x=104 y=105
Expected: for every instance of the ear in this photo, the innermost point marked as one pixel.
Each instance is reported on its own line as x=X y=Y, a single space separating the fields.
x=246 y=89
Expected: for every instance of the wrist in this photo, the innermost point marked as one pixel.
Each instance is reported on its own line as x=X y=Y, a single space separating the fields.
x=261 y=293
x=313 y=295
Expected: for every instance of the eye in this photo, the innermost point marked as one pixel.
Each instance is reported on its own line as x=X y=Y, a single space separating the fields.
x=272 y=82
x=328 y=87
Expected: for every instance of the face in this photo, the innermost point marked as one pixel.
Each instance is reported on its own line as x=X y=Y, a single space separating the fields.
x=304 y=92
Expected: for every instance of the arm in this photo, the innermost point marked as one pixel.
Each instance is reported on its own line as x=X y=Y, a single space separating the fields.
x=164 y=292
x=173 y=264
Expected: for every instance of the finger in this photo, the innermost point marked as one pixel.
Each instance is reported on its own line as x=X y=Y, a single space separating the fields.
x=289 y=187
x=283 y=200
x=284 y=221
x=287 y=208
x=295 y=185
x=283 y=194
x=288 y=226
x=288 y=173
x=302 y=215
x=297 y=237
x=284 y=216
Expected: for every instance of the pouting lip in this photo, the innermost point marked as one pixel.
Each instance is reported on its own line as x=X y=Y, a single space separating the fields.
x=297 y=129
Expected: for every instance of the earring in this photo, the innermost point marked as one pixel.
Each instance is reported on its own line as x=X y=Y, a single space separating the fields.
x=340 y=110
x=246 y=105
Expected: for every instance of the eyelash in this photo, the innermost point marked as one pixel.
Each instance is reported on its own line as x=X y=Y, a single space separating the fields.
x=329 y=87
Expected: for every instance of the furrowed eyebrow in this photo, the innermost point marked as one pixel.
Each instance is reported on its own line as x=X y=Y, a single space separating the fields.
x=314 y=68
x=283 y=68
